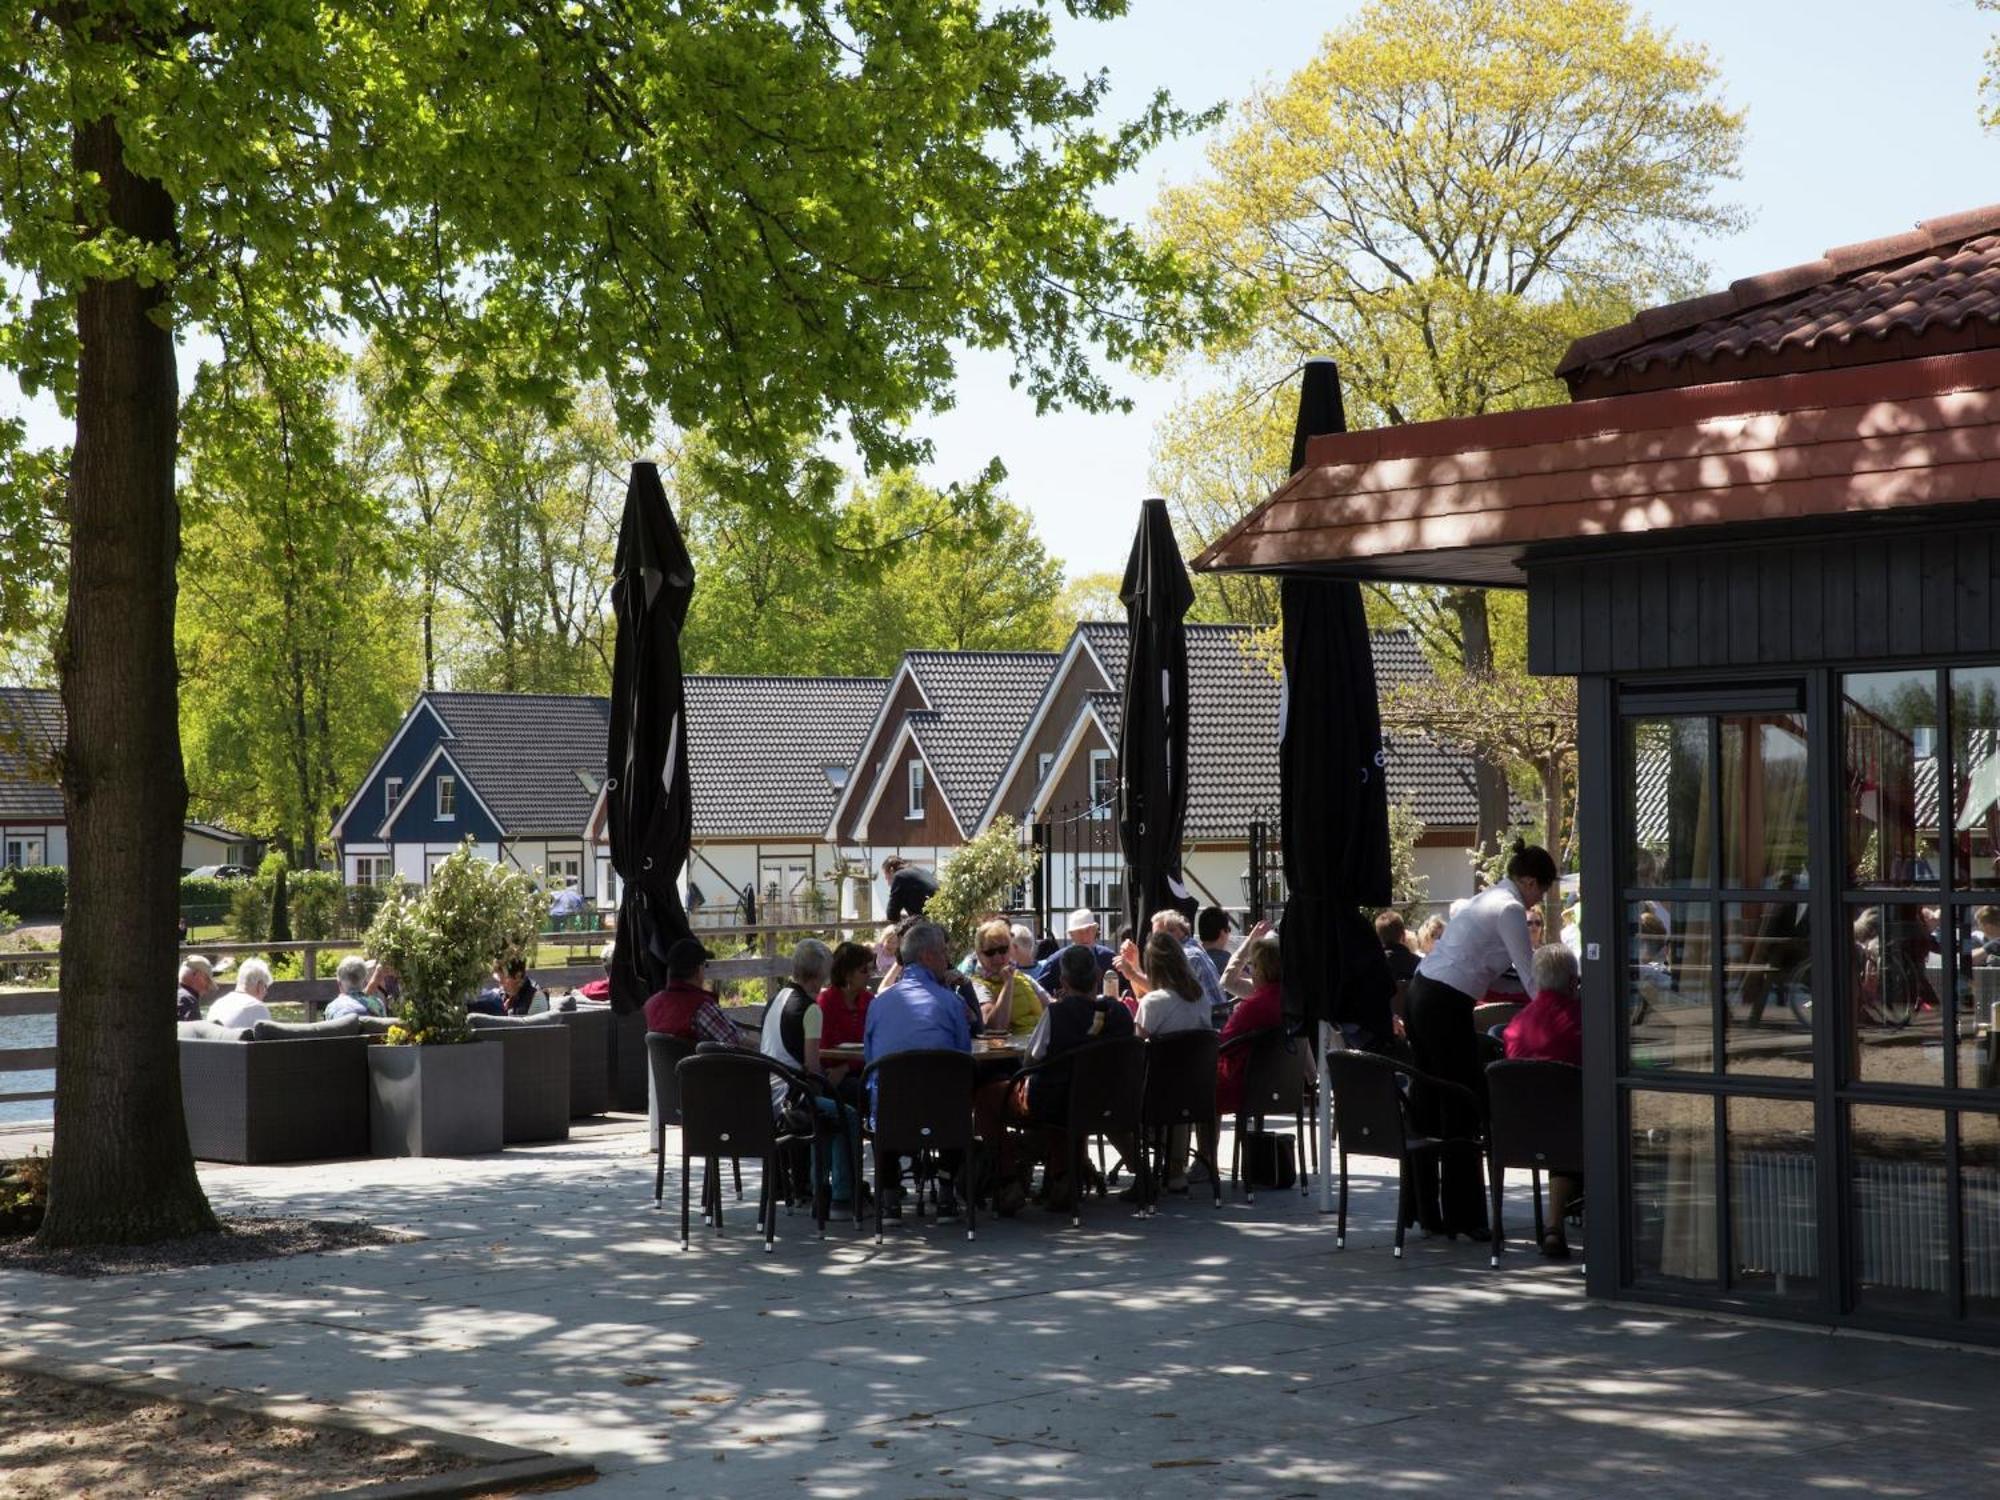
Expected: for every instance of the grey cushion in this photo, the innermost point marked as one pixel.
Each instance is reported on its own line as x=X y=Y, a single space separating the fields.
x=292 y=1031
x=208 y=1031
x=373 y=1025
x=480 y=1022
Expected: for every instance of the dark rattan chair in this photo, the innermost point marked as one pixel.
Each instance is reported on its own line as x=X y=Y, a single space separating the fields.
x=1372 y=1116
x=1274 y=1084
x=1536 y=1121
x=663 y=1056
x=725 y=1108
x=1180 y=1091
x=923 y=1106
x=1107 y=1094
x=590 y=1033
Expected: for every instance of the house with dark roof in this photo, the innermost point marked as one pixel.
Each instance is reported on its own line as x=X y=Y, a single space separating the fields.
x=33 y=826
x=522 y=776
x=767 y=758
x=1064 y=770
x=925 y=769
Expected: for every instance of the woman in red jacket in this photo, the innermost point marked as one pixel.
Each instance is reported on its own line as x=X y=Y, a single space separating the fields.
x=845 y=998
x=1259 y=1010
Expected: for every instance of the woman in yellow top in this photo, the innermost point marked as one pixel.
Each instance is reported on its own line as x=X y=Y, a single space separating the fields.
x=1009 y=1003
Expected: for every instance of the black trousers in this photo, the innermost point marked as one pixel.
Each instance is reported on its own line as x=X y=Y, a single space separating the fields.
x=1450 y=1194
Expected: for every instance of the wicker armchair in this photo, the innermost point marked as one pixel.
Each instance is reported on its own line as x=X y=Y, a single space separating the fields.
x=304 y=1098
x=535 y=1102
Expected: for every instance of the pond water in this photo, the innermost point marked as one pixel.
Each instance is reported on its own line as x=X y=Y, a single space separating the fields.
x=26 y=1031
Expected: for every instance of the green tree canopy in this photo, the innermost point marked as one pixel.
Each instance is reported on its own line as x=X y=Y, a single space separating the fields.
x=765 y=219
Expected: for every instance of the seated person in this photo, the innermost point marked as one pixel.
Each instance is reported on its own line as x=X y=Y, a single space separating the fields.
x=794 y=1026
x=244 y=1005
x=918 y=1011
x=1206 y=977
x=512 y=992
x=1259 y=1010
x=849 y=988
x=351 y=974
x=197 y=982
x=1078 y=1015
x=599 y=989
x=1009 y=1003
x=687 y=1007
x=1082 y=929
x=1551 y=1030
x=1170 y=994
x=386 y=983
x=1395 y=940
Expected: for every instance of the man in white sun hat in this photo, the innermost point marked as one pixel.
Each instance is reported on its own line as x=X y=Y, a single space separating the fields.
x=1082 y=931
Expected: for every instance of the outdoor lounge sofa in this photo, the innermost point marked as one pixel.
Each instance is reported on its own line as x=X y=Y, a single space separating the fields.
x=275 y=1092
x=535 y=1098
x=590 y=1042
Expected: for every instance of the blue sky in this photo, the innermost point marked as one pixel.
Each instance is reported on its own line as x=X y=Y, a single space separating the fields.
x=1862 y=120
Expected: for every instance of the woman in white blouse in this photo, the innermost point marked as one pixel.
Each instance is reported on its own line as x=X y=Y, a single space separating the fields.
x=1480 y=943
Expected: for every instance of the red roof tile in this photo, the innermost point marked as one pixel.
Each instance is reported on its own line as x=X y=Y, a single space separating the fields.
x=1933 y=290
x=1462 y=500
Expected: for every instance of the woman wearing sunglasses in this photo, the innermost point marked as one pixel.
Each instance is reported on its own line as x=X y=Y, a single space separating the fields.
x=1009 y=1002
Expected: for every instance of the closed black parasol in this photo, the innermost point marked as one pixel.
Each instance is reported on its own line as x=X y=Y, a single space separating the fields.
x=649 y=806
x=1153 y=726
x=1334 y=801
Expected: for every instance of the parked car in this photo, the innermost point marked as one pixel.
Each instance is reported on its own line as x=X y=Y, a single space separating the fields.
x=222 y=872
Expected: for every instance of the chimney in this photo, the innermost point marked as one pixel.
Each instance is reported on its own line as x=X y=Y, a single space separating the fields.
x=1320 y=408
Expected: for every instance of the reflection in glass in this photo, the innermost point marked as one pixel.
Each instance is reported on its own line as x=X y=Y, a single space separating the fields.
x=1773 y=1210
x=1669 y=985
x=1889 y=736
x=1979 y=1205
x=1900 y=1211
x=1978 y=990
x=1666 y=788
x=1763 y=800
x=1673 y=1187
x=1975 y=775
x=1895 y=978
x=1767 y=969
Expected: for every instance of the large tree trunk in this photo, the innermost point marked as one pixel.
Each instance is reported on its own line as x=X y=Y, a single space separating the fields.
x=122 y=1172
x=1489 y=776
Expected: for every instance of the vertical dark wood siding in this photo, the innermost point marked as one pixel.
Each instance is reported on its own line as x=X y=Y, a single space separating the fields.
x=1839 y=598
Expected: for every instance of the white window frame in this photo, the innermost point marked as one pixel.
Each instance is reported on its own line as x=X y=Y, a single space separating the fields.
x=392 y=794
x=447 y=799
x=26 y=851
x=913 y=788
x=1042 y=763
x=372 y=870
x=1100 y=807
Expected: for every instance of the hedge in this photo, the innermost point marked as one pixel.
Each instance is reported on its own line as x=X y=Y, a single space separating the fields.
x=32 y=891
x=205 y=901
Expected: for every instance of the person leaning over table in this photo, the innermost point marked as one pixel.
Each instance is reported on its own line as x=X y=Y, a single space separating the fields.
x=1551 y=1030
x=686 y=1007
x=918 y=1011
x=794 y=1029
x=1487 y=936
x=1009 y=1003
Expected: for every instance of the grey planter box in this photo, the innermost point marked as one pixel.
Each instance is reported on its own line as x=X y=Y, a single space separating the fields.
x=436 y=1101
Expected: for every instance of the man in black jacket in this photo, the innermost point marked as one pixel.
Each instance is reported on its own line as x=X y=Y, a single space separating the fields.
x=910 y=889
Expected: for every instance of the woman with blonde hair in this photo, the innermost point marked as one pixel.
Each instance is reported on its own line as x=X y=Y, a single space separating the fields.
x=1009 y=1003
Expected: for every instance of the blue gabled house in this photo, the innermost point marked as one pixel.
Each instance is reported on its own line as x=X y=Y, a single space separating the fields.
x=517 y=773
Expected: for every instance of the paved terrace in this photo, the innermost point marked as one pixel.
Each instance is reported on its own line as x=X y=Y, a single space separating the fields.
x=1201 y=1352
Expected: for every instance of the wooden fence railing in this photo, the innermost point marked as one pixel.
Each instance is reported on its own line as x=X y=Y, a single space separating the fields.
x=767 y=957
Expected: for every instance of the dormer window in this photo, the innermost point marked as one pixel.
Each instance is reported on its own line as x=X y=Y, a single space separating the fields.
x=447 y=798
x=914 y=772
x=392 y=793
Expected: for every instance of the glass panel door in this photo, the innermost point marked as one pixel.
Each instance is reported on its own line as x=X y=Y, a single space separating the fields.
x=1721 y=1166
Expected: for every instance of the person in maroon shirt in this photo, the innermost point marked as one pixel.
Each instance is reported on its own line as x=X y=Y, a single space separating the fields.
x=686 y=1007
x=1261 y=1009
x=1550 y=1029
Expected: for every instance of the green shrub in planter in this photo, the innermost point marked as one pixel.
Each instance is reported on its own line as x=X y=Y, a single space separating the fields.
x=445 y=937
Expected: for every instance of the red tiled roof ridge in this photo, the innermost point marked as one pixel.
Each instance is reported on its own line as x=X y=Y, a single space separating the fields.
x=1750 y=292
